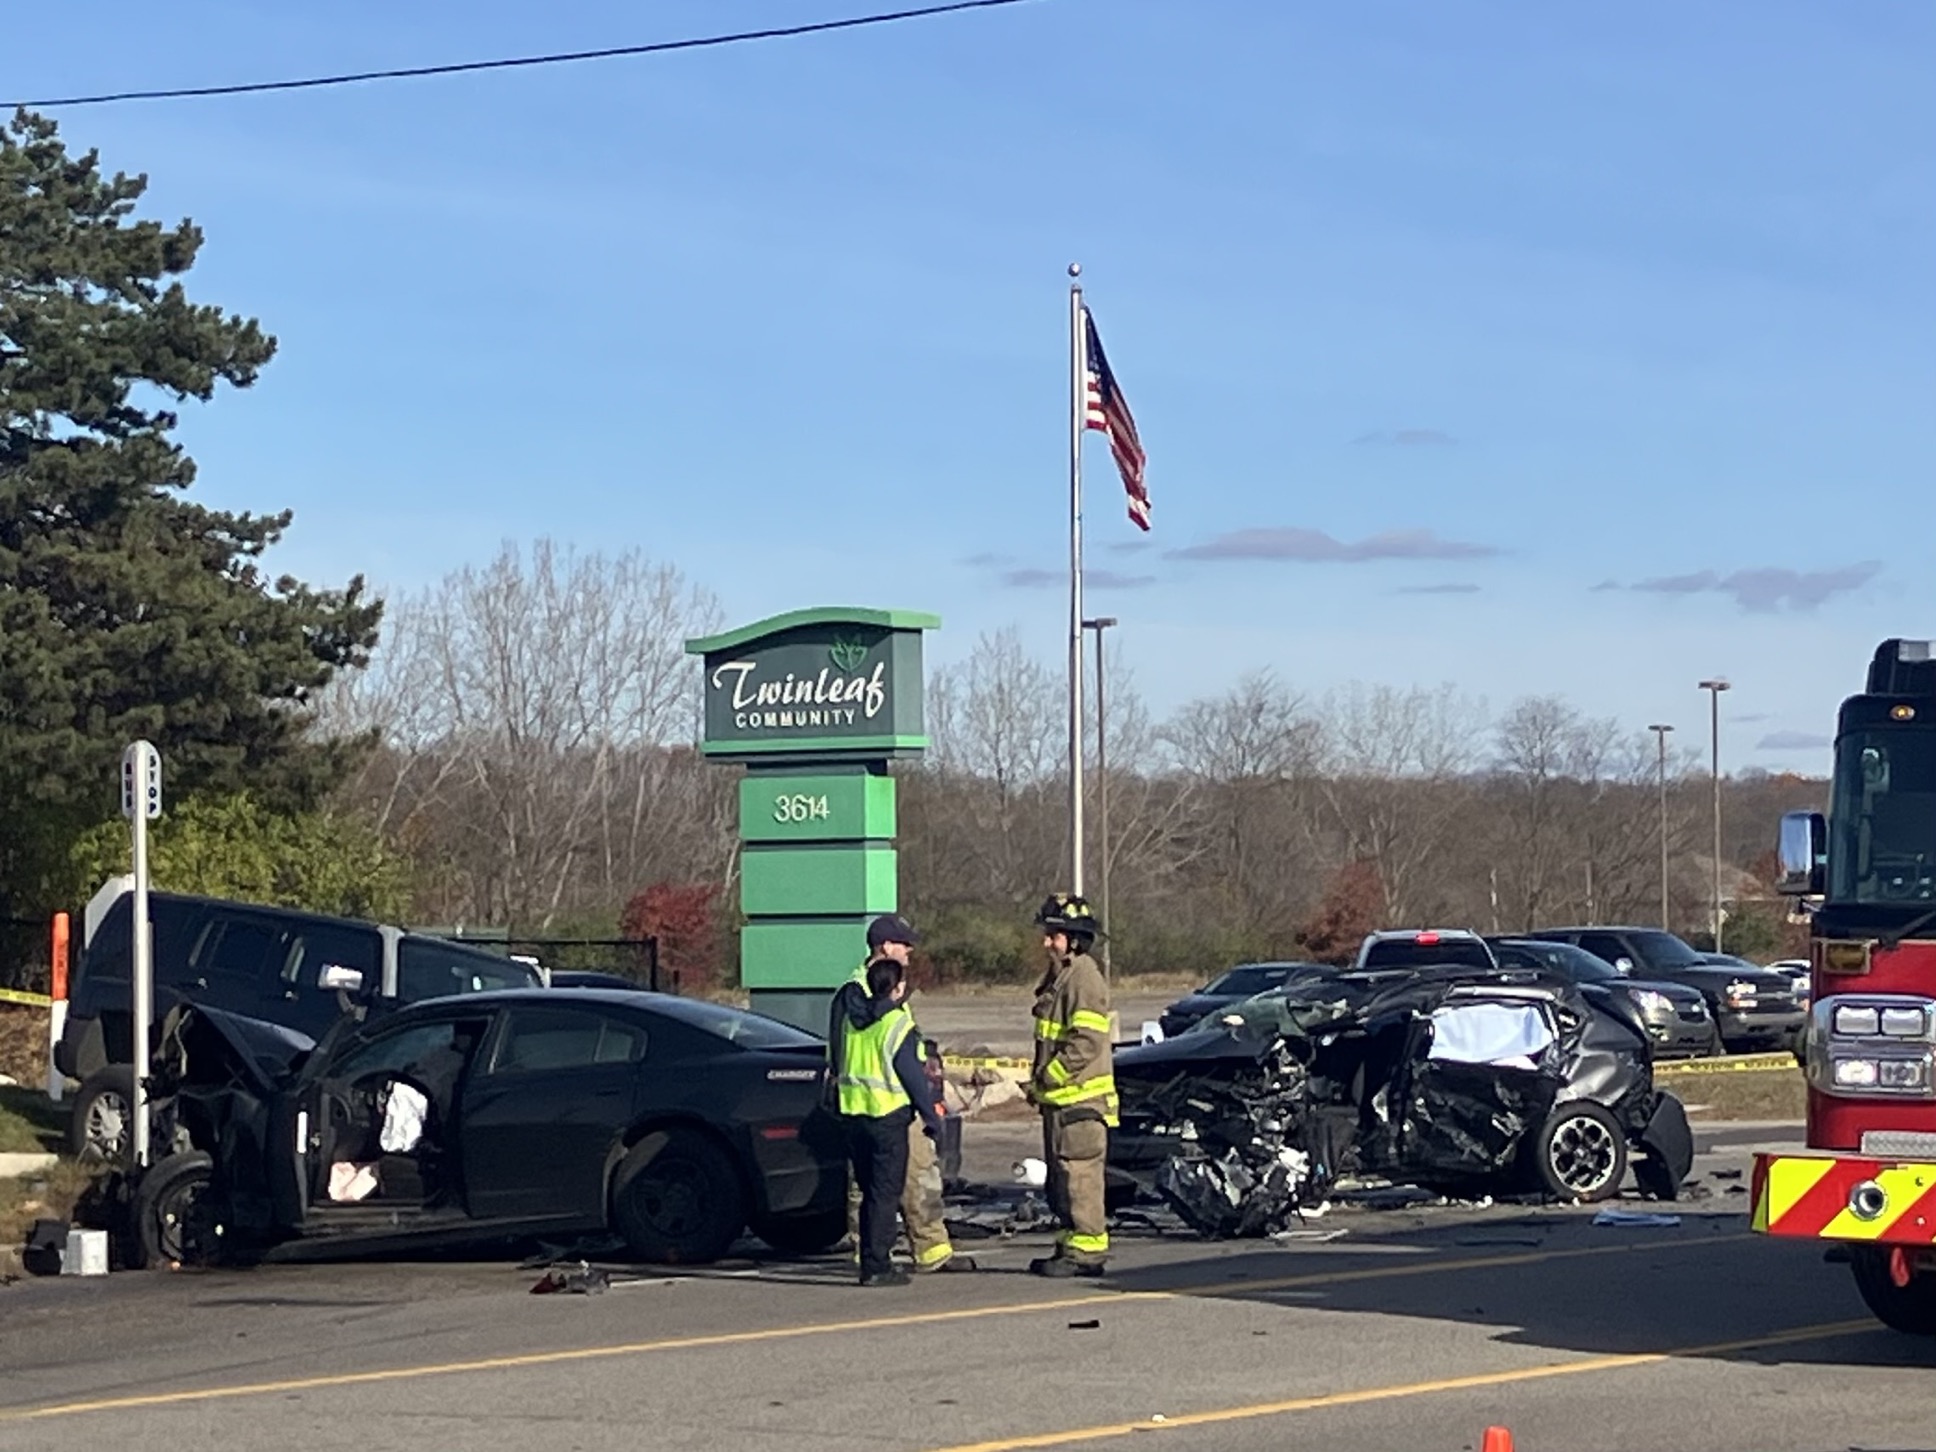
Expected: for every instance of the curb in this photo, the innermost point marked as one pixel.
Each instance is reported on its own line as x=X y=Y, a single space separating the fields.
x=27 y=1000
x=14 y=1165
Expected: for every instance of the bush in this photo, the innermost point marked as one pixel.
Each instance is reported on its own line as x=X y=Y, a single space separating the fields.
x=694 y=936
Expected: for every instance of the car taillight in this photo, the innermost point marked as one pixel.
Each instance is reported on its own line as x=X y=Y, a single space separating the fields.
x=1426 y=940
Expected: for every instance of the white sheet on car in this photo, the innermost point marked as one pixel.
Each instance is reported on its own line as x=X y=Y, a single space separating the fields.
x=403 y=1118
x=1511 y=1035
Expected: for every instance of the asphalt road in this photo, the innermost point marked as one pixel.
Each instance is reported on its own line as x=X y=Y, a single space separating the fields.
x=1412 y=1329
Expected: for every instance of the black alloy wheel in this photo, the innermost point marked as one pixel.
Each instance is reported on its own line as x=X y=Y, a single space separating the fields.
x=677 y=1198
x=176 y=1220
x=1580 y=1153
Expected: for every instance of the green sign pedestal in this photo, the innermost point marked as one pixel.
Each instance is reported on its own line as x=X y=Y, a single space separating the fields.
x=815 y=703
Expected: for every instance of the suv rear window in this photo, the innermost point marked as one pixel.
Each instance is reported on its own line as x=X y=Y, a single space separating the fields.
x=1410 y=953
x=433 y=968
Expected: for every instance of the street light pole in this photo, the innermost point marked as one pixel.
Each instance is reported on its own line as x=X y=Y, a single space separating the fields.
x=1660 y=734
x=1714 y=689
x=1099 y=625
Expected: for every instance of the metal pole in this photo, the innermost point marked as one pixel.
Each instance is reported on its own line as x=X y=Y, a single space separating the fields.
x=1077 y=390
x=1660 y=734
x=144 y=967
x=1099 y=625
x=1714 y=689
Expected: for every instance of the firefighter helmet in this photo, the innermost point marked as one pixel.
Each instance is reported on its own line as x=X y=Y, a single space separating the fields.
x=1066 y=913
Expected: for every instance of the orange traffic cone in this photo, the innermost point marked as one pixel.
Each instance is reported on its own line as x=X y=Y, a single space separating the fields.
x=1498 y=1439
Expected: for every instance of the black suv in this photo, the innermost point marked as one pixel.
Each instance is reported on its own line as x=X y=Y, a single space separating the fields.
x=1754 y=1008
x=284 y=967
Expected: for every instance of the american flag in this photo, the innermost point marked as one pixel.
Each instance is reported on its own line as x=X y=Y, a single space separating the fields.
x=1105 y=408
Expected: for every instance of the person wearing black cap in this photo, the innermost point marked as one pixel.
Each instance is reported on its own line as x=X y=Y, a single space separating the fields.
x=890 y=937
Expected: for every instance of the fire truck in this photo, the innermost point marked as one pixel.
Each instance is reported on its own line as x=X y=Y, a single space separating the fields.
x=1866 y=874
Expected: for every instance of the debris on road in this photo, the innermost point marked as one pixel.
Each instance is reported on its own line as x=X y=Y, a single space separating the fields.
x=1636 y=1219
x=586 y=1280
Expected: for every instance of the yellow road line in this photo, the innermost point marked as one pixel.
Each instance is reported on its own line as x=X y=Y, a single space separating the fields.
x=876 y=1323
x=1478 y=1380
x=24 y=998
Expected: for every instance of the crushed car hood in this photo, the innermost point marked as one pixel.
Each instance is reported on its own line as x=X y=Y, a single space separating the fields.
x=210 y=1044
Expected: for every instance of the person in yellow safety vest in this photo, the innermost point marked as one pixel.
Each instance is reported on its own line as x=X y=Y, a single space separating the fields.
x=880 y=1086
x=1073 y=1083
x=922 y=1211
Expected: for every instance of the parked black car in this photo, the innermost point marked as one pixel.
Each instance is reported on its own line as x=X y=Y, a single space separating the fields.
x=1451 y=1078
x=1752 y=1007
x=1674 y=1015
x=284 y=967
x=1241 y=982
x=673 y=1122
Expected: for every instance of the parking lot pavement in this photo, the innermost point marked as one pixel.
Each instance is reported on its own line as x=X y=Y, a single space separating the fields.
x=999 y=1022
x=1413 y=1329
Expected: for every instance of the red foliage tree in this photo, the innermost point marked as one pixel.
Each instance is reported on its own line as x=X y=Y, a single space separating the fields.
x=686 y=919
x=1352 y=902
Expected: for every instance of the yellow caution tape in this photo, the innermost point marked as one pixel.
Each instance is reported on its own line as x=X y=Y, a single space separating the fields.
x=21 y=996
x=1732 y=1064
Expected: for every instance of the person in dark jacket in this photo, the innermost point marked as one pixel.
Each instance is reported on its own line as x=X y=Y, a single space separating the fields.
x=881 y=1085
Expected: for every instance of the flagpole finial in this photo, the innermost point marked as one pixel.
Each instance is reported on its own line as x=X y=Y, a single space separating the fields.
x=1075 y=269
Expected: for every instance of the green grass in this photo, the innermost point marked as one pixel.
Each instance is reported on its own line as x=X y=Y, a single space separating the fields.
x=30 y=1122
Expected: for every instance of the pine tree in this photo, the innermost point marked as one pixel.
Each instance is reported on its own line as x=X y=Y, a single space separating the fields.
x=126 y=610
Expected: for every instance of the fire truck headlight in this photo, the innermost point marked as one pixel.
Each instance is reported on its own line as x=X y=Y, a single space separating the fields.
x=1857 y=1021
x=1856 y=1073
x=1903 y=1074
x=1907 y=1023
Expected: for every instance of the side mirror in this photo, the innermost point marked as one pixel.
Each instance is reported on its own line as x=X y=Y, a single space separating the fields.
x=1802 y=849
x=1623 y=965
x=335 y=975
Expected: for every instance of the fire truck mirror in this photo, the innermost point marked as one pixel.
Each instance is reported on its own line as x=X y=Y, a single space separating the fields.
x=1803 y=851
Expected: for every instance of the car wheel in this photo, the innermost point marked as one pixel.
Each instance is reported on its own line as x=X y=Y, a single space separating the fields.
x=102 y=1128
x=1580 y=1153
x=175 y=1218
x=1910 y=1308
x=804 y=1234
x=677 y=1199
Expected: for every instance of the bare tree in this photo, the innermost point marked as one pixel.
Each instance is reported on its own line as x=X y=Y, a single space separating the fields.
x=530 y=710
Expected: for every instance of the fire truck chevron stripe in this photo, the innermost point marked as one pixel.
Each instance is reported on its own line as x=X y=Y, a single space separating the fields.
x=1809 y=1196
x=1789 y=1183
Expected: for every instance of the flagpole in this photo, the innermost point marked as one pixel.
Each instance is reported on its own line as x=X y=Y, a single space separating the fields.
x=1077 y=393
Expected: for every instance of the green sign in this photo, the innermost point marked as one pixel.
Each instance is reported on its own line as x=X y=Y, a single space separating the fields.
x=822 y=684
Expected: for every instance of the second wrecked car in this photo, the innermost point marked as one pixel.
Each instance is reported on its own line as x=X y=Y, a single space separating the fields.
x=1452 y=1079
x=671 y=1123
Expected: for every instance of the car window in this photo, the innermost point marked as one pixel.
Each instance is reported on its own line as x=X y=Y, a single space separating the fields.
x=1410 y=953
x=1563 y=958
x=1663 y=950
x=247 y=949
x=1605 y=946
x=549 y=1039
x=413 y=1049
x=1254 y=978
x=175 y=924
x=432 y=968
x=321 y=945
x=748 y=1030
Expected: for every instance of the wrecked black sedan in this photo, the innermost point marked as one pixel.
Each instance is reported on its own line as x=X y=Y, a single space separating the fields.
x=670 y=1123
x=1455 y=1080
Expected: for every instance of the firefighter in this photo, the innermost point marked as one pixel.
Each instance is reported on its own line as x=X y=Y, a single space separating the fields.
x=881 y=1086
x=1073 y=1083
x=892 y=936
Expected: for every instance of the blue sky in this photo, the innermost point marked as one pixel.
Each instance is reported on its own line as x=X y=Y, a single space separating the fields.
x=1531 y=348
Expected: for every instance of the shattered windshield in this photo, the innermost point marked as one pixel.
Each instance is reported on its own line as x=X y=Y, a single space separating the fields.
x=1882 y=826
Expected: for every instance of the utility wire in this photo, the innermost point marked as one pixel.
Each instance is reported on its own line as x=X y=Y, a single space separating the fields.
x=703 y=42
